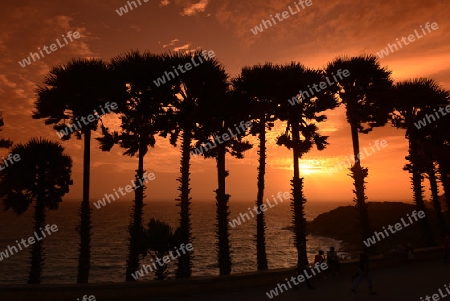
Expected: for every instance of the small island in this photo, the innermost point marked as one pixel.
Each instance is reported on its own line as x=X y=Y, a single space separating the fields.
x=342 y=224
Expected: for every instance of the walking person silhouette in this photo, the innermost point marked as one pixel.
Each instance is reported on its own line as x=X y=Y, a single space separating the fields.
x=364 y=272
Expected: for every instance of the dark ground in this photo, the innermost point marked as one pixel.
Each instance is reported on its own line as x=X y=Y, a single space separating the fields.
x=404 y=282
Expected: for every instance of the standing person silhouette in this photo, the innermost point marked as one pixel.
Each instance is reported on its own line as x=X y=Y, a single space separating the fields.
x=318 y=259
x=364 y=272
x=333 y=261
x=446 y=246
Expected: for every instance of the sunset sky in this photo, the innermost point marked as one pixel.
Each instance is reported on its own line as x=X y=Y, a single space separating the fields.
x=314 y=36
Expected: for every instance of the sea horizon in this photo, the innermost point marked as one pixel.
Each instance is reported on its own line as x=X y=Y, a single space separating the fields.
x=110 y=239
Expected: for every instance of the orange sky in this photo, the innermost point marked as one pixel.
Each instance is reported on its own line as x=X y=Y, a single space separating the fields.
x=313 y=37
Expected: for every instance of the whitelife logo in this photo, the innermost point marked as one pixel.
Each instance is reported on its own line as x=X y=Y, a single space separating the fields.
x=322 y=85
x=245 y=217
x=90 y=118
x=128 y=189
x=161 y=261
x=359 y=157
x=281 y=287
x=371 y=240
x=10 y=158
x=284 y=14
x=27 y=61
x=124 y=9
x=53 y=228
x=437 y=297
x=207 y=145
x=188 y=66
x=423 y=122
x=86 y=298
x=411 y=38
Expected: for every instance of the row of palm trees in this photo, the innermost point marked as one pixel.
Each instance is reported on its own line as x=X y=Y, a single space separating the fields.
x=203 y=103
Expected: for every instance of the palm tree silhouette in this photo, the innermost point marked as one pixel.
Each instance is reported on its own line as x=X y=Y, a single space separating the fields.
x=257 y=84
x=159 y=240
x=141 y=108
x=4 y=143
x=41 y=176
x=363 y=93
x=431 y=172
x=428 y=159
x=412 y=100
x=442 y=149
x=437 y=147
x=196 y=90
x=300 y=135
x=226 y=110
x=72 y=92
x=432 y=145
x=444 y=176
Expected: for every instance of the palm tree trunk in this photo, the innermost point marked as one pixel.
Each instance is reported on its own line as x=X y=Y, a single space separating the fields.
x=297 y=203
x=37 y=250
x=135 y=228
x=435 y=199
x=85 y=226
x=444 y=172
x=420 y=205
x=417 y=178
x=359 y=174
x=222 y=198
x=261 y=255
x=185 y=260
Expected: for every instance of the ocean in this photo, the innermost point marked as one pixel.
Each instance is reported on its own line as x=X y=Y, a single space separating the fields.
x=110 y=239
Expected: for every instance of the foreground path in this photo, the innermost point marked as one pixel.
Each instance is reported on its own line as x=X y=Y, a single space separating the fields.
x=393 y=279
x=403 y=282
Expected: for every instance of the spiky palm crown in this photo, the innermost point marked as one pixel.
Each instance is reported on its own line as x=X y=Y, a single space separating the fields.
x=364 y=92
x=75 y=90
x=43 y=171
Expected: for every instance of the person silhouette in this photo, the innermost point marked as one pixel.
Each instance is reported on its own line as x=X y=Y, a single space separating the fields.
x=446 y=246
x=333 y=261
x=364 y=272
x=319 y=258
